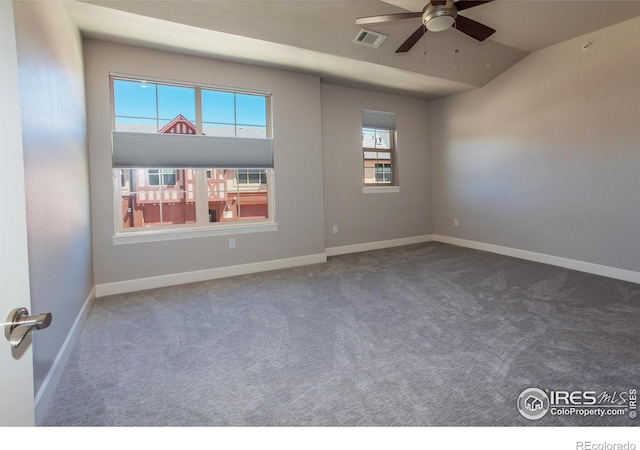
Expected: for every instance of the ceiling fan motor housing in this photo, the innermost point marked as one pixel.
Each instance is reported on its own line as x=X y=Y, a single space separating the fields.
x=439 y=17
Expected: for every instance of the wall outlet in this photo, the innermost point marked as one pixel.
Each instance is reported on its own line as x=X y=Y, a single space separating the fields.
x=232 y=243
x=455 y=222
x=335 y=229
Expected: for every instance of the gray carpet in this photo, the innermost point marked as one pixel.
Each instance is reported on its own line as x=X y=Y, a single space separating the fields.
x=423 y=335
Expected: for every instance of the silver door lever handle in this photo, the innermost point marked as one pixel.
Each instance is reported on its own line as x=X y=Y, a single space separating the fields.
x=19 y=324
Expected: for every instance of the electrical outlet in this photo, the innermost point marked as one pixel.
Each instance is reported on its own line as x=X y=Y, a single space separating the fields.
x=335 y=229
x=455 y=222
x=232 y=243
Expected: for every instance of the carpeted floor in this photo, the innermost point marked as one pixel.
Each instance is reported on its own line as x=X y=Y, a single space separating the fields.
x=423 y=335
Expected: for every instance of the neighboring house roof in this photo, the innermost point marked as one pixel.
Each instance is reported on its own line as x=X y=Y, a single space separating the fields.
x=179 y=125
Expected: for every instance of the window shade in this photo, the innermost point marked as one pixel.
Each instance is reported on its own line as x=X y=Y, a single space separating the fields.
x=188 y=151
x=378 y=120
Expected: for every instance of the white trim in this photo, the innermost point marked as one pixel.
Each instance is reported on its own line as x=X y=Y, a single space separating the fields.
x=367 y=246
x=582 y=266
x=45 y=393
x=140 y=284
x=172 y=234
x=380 y=189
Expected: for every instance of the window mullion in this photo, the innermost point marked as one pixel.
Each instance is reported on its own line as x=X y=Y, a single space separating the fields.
x=202 y=197
x=157 y=109
x=198 y=94
x=235 y=115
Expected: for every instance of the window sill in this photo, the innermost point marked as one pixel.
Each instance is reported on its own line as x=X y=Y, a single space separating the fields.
x=151 y=235
x=380 y=189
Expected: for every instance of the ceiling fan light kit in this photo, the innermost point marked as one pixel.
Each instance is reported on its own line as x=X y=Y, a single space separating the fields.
x=439 y=18
x=438 y=15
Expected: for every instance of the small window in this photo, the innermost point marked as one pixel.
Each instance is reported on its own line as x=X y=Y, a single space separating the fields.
x=252 y=176
x=162 y=177
x=378 y=148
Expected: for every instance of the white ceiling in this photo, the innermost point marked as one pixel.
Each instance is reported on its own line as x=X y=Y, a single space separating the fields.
x=315 y=36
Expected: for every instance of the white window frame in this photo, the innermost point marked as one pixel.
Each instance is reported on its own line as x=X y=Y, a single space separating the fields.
x=380 y=188
x=202 y=227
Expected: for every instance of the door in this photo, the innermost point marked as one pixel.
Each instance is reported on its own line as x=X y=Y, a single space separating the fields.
x=16 y=374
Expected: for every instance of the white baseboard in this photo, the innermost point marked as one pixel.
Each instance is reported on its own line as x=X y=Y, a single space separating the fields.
x=582 y=266
x=367 y=246
x=52 y=379
x=140 y=284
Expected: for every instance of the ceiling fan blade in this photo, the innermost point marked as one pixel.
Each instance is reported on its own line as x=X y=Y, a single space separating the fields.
x=387 y=18
x=466 y=4
x=474 y=29
x=411 y=40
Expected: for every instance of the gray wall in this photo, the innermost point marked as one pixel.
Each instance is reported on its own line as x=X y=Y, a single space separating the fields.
x=297 y=153
x=546 y=158
x=360 y=217
x=56 y=171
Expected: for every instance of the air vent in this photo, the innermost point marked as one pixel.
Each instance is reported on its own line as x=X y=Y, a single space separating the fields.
x=369 y=38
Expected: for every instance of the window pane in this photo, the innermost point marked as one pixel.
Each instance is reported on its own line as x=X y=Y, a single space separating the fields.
x=251 y=110
x=154 y=177
x=222 y=195
x=176 y=100
x=217 y=185
x=157 y=197
x=369 y=175
x=370 y=155
x=254 y=176
x=218 y=107
x=383 y=139
x=384 y=155
x=134 y=98
x=169 y=178
x=252 y=200
x=368 y=138
x=240 y=194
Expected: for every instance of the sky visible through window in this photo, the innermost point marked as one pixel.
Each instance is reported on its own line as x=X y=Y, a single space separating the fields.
x=147 y=105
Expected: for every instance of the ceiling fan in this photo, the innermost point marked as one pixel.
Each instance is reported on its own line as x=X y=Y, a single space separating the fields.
x=438 y=15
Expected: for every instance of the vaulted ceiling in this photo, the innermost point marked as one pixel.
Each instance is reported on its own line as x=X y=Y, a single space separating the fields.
x=313 y=36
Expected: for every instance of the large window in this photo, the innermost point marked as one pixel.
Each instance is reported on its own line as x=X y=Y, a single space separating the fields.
x=378 y=148
x=189 y=156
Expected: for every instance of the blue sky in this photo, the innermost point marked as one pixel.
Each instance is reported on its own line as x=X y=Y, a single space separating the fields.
x=136 y=99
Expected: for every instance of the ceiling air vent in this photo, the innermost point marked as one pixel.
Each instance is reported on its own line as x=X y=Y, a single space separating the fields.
x=369 y=38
